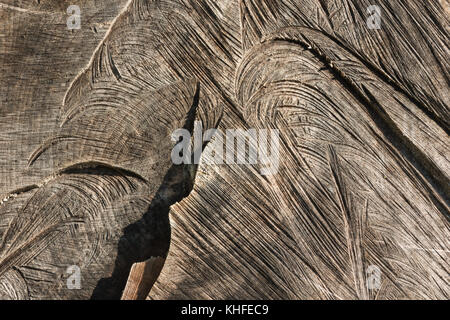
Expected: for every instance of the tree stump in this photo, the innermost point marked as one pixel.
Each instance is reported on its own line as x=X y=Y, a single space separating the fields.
x=355 y=204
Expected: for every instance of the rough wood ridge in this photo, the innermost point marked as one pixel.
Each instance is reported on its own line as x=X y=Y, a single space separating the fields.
x=87 y=179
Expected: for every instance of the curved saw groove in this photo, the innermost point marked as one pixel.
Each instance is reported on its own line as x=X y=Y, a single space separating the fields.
x=129 y=137
x=407 y=38
x=322 y=97
x=364 y=85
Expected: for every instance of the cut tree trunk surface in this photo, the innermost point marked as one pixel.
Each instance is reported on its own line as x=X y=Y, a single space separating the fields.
x=93 y=206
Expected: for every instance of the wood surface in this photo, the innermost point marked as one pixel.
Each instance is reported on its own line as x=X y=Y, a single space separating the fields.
x=87 y=180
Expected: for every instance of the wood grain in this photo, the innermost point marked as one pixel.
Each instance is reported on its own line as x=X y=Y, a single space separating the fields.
x=86 y=177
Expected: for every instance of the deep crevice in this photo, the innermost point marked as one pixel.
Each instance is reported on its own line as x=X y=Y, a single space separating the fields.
x=150 y=236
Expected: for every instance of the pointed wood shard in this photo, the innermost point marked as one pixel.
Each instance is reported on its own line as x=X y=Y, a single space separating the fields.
x=142 y=277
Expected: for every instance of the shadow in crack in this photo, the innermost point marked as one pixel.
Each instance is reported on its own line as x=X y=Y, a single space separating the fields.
x=147 y=237
x=150 y=236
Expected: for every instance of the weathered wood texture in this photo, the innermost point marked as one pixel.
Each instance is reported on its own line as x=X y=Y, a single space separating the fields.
x=86 y=118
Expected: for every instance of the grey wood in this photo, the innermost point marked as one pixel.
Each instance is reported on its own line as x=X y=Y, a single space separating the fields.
x=87 y=180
